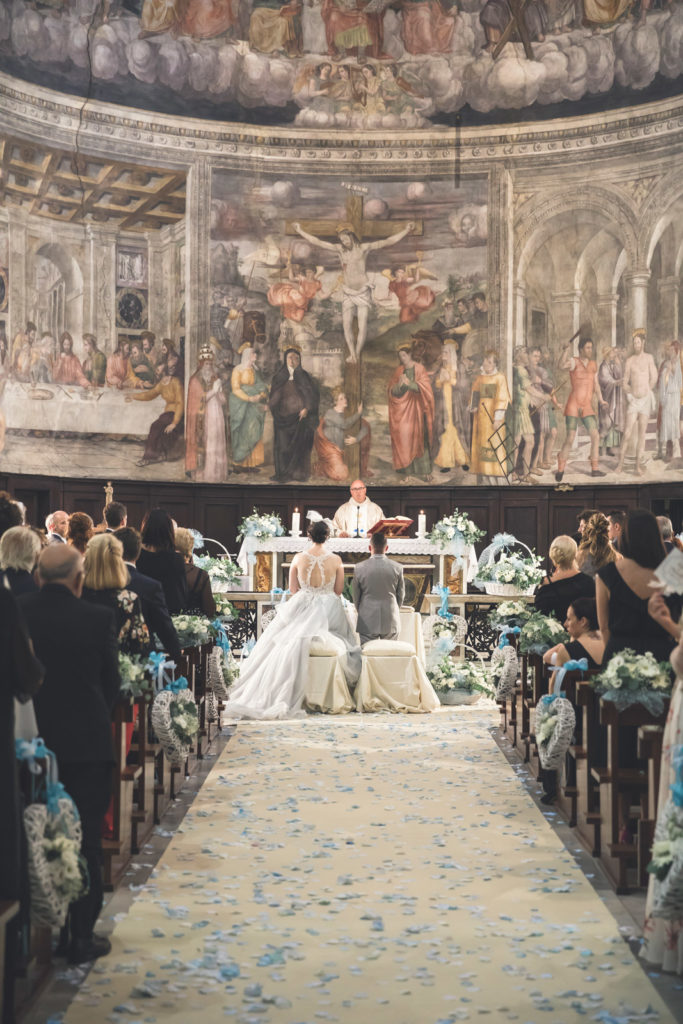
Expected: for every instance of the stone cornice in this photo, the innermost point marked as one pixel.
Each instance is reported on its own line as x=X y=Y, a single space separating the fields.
x=30 y=110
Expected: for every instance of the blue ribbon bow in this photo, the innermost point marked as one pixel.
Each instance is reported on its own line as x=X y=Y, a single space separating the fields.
x=31 y=752
x=443 y=611
x=155 y=660
x=222 y=640
x=281 y=592
x=569 y=666
x=502 y=541
x=677 y=787
x=55 y=793
x=176 y=685
x=504 y=632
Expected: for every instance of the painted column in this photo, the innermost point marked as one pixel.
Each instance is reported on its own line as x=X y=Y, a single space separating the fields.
x=668 y=288
x=636 y=287
x=160 y=287
x=566 y=315
x=520 y=315
x=18 y=269
x=103 y=319
x=197 y=230
x=606 y=326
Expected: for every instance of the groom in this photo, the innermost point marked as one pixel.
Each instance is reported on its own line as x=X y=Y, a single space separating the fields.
x=378 y=591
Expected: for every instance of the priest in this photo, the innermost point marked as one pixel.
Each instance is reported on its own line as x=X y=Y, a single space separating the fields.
x=358 y=515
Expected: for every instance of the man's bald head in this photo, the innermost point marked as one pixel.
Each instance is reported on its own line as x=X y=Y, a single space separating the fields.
x=358 y=490
x=60 y=563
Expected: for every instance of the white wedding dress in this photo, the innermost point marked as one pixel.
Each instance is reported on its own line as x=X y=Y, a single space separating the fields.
x=272 y=682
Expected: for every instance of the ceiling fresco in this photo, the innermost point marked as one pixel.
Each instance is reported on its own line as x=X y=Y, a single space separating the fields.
x=347 y=64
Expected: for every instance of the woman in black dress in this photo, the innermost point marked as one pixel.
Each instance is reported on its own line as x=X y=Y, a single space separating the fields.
x=200 y=599
x=566 y=583
x=160 y=560
x=585 y=639
x=105 y=583
x=623 y=589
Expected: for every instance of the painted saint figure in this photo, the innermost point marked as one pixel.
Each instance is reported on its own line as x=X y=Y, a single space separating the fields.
x=524 y=394
x=247 y=404
x=426 y=27
x=165 y=437
x=294 y=296
x=669 y=388
x=206 y=450
x=294 y=402
x=583 y=374
x=411 y=417
x=451 y=449
x=95 y=362
x=543 y=410
x=357 y=294
x=334 y=436
x=68 y=369
x=612 y=416
x=490 y=399
x=413 y=298
x=640 y=380
x=117 y=365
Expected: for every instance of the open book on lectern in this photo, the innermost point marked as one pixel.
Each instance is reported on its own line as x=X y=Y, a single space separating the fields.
x=397 y=526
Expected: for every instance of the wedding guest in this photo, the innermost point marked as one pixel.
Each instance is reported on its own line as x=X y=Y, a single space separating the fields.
x=160 y=560
x=81 y=529
x=666 y=532
x=106 y=583
x=585 y=639
x=595 y=549
x=115 y=516
x=10 y=513
x=582 y=520
x=151 y=594
x=565 y=583
x=76 y=643
x=57 y=527
x=199 y=596
x=616 y=519
x=19 y=550
x=623 y=589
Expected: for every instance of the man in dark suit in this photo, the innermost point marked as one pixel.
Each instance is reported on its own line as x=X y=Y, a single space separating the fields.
x=115 y=516
x=77 y=644
x=151 y=594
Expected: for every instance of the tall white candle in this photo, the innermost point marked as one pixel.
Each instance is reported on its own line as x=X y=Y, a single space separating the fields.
x=296 y=523
x=421 y=524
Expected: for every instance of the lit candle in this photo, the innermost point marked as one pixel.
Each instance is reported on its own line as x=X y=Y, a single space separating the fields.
x=296 y=523
x=421 y=524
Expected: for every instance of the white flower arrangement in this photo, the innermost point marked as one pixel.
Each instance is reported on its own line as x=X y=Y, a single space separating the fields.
x=510 y=613
x=541 y=632
x=184 y=720
x=135 y=676
x=192 y=630
x=555 y=722
x=454 y=529
x=261 y=527
x=230 y=667
x=513 y=570
x=224 y=608
x=448 y=675
x=223 y=572
x=63 y=856
x=631 y=678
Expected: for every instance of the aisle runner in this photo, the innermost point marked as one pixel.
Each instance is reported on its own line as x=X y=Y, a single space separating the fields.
x=369 y=870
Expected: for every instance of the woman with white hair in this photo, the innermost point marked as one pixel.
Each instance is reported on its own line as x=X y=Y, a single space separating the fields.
x=19 y=550
x=565 y=582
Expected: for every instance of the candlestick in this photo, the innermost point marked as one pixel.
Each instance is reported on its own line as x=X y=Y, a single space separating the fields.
x=296 y=523
x=421 y=524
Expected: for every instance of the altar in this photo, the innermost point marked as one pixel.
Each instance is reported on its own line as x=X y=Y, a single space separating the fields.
x=425 y=565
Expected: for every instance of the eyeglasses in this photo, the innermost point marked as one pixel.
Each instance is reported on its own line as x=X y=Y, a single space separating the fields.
x=359 y=488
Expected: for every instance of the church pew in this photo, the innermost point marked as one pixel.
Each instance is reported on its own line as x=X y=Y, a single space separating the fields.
x=536 y=686
x=143 y=753
x=623 y=785
x=8 y=912
x=650 y=740
x=118 y=849
x=589 y=756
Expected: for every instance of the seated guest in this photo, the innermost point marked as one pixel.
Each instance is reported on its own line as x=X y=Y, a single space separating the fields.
x=622 y=591
x=115 y=516
x=19 y=550
x=595 y=549
x=76 y=643
x=57 y=527
x=10 y=513
x=585 y=640
x=151 y=594
x=566 y=583
x=81 y=529
x=666 y=532
x=355 y=517
x=199 y=596
x=616 y=519
x=106 y=583
x=582 y=521
x=160 y=560
x=378 y=592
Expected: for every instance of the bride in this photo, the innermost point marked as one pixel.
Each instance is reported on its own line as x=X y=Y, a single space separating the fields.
x=272 y=682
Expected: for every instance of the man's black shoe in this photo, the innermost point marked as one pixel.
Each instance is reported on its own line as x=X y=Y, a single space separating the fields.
x=548 y=798
x=84 y=950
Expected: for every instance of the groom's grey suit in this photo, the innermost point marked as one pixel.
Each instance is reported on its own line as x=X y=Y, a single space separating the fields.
x=378 y=591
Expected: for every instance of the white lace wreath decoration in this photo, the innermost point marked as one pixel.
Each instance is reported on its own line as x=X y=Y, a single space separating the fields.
x=504 y=664
x=53 y=881
x=175 y=749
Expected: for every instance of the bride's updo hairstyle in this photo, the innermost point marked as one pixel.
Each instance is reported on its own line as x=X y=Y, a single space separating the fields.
x=319 y=532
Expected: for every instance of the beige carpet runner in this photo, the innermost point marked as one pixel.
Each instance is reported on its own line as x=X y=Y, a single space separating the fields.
x=370 y=870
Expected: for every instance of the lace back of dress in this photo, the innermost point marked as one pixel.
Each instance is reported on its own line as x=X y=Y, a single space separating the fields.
x=315 y=574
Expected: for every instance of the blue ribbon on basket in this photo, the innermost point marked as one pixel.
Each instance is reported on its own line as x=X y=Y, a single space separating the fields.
x=176 y=685
x=569 y=666
x=281 y=592
x=501 y=541
x=222 y=640
x=505 y=632
x=443 y=611
x=31 y=751
x=54 y=793
x=677 y=787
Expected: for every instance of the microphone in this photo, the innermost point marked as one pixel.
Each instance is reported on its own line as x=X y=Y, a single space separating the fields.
x=357 y=520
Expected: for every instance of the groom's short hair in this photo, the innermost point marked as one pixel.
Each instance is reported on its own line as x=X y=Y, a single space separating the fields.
x=378 y=541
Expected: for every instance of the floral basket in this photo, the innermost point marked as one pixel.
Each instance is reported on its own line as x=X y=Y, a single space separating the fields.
x=175 y=721
x=554 y=729
x=504 y=573
x=631 y=678
x=667 y=862
x=504 y=669
x=458 y=682
x=434 y=627
x=455 y=533
x=223 y=572
x=56 y=868
x=541 y=632
x=192 y=630
x=510 y=613
x=260 y=527
x=136 y=676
